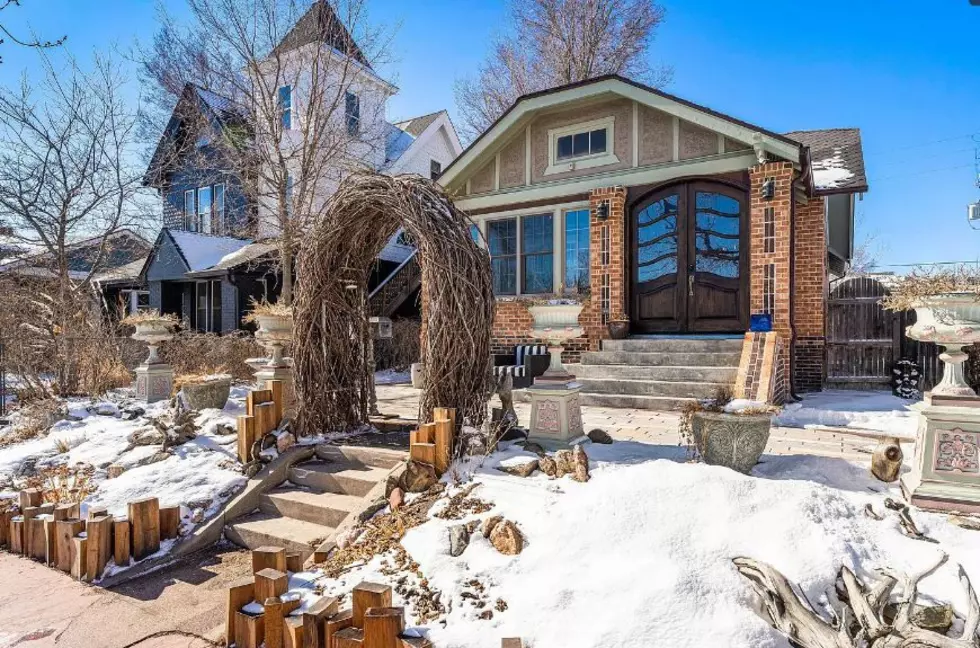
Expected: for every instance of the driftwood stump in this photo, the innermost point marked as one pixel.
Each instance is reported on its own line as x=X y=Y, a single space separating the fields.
x=886 y=461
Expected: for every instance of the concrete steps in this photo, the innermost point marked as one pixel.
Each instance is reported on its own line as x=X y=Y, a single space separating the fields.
x=319 y=495
x=657 y=373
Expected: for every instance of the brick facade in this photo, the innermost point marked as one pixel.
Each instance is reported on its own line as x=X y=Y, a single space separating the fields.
x=810 y=290
x=512 y=324
x=762 y=369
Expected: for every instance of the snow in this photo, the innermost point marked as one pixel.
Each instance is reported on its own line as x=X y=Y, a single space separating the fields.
x=876 y=411
x=202 y=251
x=831 y=172
x=392 y=377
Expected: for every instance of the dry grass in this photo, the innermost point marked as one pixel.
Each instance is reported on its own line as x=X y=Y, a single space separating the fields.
x=258 y=308
x=191 y=353
x=34 y=419
x=909 y=291
x=63 y=484
x=154 y=315
x=402 y=349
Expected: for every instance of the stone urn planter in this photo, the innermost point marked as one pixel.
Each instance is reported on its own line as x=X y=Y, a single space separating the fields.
x=556 y=322
x=210 y=392
x=735 y=441
x=619 y=329
x=154 y=378
x=154 y=332
x=952 y=321
x=275 y=332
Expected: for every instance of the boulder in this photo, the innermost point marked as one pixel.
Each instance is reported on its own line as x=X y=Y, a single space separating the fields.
x=600 y=436
x=197 y=516
x=146 y=435
x=105 y=409
x=133 y=413
x=459 y=539
x=536 y=448
x=348 y=537
x=564 y=462
x=418 y=477
x=519 y=466
x=487 y=527
x=223 y=429
x=396 y=498
x=548 y=466
x=285 y=441
x=506 y=538
x=581 y=472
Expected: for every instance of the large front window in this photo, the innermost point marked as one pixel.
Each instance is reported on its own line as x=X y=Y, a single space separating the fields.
x=537 y=258
x=208 y=306
x=502 y=239
x=576 y=250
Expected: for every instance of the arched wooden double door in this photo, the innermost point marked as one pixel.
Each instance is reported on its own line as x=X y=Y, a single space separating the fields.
x=689 y=259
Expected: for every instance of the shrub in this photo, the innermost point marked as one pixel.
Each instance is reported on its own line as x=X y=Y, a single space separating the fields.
x=192 y=352
x=402 y=349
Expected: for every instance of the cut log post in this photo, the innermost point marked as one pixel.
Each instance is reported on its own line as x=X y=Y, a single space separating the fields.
x=144 y=520
x=293 y=635
x=50 y=542
x=121 y=545
x=5 y=518
x=79 y=552
x=383 y=626
x=349 y=638
x=99 y=532
x=249 y=630
x=512 y=642
x=96 y=512
x=294 y=561
x=64 y=533
x=29 y=514
x=423 y=453
x=265 y=417
x=270 y=583
x=314 y=621
x=30 y=497
x=246 y=437
x=39 y=546
x=272 y=613
x=275 y=386
x=17 y=534
x=444 y=444
x=415 y=642
x=369 y=595
x=65 y=511
x=336 y=623
x=268 y=558
x=291 y=605
x=239 y=594
x=169 y=522
x=255 y=398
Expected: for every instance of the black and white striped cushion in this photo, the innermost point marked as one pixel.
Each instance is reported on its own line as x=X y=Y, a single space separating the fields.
x=522 y=350
x=513 y=370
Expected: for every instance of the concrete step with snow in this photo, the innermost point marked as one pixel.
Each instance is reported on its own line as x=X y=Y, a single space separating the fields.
x=651 y=387
x=631 y=401
x=662 y=359
x=674 y=345
x=326 y=509
x=675 y=373
x=337 y=477
x=263 y=529
x=368 y=456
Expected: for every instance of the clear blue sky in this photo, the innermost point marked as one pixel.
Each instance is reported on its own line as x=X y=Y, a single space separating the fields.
x=907 y=73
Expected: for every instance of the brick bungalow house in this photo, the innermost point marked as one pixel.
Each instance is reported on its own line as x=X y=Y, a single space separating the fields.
x=683 y=219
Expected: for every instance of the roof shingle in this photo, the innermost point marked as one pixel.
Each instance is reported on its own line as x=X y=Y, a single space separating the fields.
x=837 y=159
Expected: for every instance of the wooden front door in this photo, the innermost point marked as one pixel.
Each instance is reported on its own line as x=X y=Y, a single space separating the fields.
x=689 y=260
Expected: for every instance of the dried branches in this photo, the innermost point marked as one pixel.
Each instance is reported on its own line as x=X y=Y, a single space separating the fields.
x=331 y=335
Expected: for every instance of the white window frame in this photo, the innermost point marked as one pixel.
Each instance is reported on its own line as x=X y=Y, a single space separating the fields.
x=562 y=263
x=202 y=216
x=218 y=219
x=582 y=161
x=190 y=219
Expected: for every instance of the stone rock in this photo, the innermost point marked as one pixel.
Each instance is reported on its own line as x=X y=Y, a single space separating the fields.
x=600 y=436
x=548 y=466
x=487 y=527
x=396 y=498
x=938 y=618
x=520 y=468
x=146 y=435
x=223 y=429
x=536 y=448
x=472 y=526
x=105 y=409
x=514 y=433
x=197 y=516
x=133 y=413
x=285 y=441
x=459 y=539
x=970 y=523
x=348 y=537
x=372 y=509
x=565 y=463
x=581 y=472
x=474 y=441
x=418 y=477
x=252 y=469
x=155 y=458
x=506 y=538
x=114 y=470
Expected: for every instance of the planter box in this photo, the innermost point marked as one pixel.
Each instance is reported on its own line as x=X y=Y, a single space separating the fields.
x=208 y=394
x=735 y=441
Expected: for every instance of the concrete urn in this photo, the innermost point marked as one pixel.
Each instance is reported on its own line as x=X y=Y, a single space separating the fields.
x=209 y=393
x=953 y=321
x=556 y=323
x=275 y=332
x=734 y=441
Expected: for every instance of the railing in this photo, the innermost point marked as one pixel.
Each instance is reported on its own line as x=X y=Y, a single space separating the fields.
x=391 y=292
x=393 y=274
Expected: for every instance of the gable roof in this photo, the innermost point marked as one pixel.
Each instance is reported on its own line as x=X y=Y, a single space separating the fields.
x=417 y=125
x=837 y=159
x=402 y=136
x=126 y=246
x=613 y=83
x=321 y=24
x=196 y=252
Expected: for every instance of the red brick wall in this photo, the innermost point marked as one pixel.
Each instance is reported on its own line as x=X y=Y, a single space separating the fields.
x=810 y=296
x=512 y=324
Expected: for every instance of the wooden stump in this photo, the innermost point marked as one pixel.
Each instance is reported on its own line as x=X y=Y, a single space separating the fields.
x=246 y=437
x=5 y=518
x=369 y=595
x=97 y=512
x=30 y=497
x=423 y=453
x=249 y=630
x=255 y=398
x=270 y=583
x=349 y=638
x=114 y=471
x=144 y=520
x=383 y=626
x=512 y=642
x=169 y=522
x=265 y=419
x=64 y=533
x=293 y=635
x=239 y=594
x=275 y=387
x=121 y=545
x=29 y=514
x=79 y=552
x=268 y=558
x=65 y=511
x=314 y=626
x=273 y=622
x=336 y=623
x=443 y=443
x=50 y=542
x=17 y=534
x=39 y=544
x=99 y=531
x=294 y=561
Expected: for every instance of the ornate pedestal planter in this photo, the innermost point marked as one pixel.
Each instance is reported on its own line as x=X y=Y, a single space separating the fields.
x=210 y=393
x=735 y=441
x=154 y=378
x=946 y=474
x=275 y=331
x=556 y=414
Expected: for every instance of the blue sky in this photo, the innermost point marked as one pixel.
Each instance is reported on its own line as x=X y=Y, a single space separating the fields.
x=907 y=73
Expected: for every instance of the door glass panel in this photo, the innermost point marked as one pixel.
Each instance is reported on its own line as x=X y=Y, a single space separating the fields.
x=716 y=234
x=656 y=239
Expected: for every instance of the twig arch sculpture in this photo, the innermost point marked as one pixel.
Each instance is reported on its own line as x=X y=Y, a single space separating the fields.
x=330 y=313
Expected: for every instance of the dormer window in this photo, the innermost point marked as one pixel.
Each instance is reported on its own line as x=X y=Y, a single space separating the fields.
x=286 y=106
x=352 y=112
x=581 y=146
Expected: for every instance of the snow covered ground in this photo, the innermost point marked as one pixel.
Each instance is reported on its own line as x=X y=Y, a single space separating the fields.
x=859 y=410
x=392 y=377
x=641 y=555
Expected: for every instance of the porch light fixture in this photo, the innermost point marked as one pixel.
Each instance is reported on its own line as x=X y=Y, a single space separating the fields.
x=602 y=210
x=769 y=189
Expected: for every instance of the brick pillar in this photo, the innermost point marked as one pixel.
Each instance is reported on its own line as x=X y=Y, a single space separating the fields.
x=810 y=295
x=607 y=262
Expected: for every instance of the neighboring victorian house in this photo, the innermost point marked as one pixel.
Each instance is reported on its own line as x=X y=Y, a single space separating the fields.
x=684 y=220
x=217 y=250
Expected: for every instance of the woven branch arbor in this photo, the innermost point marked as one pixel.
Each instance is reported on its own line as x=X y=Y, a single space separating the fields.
x=332 y=336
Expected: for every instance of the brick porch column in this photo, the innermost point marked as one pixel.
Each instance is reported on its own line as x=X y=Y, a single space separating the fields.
x=810 y=293
x=607 y=262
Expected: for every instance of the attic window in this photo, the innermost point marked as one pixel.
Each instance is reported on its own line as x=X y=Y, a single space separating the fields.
x=581 y=146
x=435 y=169
x=352 y=111
x=286 y=106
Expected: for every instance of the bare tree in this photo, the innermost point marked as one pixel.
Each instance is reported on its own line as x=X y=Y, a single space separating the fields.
x=555 y=42
x=33 y=41
x=305 y=83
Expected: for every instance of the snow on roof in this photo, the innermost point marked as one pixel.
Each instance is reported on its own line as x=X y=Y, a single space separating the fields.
x=831 y=172
x=202 y=251
x=837 y=159
x=242 y=256
x=397 y=142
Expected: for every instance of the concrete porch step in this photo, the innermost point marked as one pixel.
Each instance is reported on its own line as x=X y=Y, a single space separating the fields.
x=262 y=529
x=326 y=509
x=337 y=477
x=663 y=359
x=671 y=373
x=378 y=457
x=670 y=389
x=631 y=401
x=674 y=345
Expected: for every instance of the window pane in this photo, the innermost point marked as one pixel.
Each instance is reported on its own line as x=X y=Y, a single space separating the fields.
x=538 y=273
x=598 y=138
x=286 y=105
x=564 y=147
x=219 y=209
x=190 y=213
x=656 y=240
x=576 y=250
x=504 y=275
x=537 y=245
x=475 y=234
x=716 y=235
x=215 y=323
x=537 y=234
x=204 y=208
x=581 y=144
x=353 y=112
x=502 y=235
